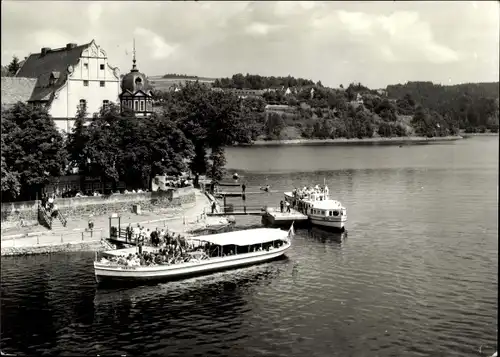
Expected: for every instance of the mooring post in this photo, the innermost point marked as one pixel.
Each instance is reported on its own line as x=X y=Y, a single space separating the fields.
x=82 y=235
x=37 y=239
x=61 y=238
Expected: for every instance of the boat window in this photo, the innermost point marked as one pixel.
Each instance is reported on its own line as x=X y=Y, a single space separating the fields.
x=335 y=213
x=330 y=213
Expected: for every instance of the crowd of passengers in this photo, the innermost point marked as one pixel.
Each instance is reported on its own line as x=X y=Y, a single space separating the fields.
x=178 y=250
x=307 y=191
x=304 y=193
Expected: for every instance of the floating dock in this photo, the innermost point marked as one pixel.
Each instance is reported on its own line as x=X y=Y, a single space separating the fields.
x=277 y=218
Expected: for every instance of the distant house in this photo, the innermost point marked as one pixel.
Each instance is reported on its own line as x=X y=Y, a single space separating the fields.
x=382 y=92
x=279 y=108
x=65 y=79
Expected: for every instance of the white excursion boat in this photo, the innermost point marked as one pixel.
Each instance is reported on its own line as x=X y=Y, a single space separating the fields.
x=319 y=207
x=207 y=254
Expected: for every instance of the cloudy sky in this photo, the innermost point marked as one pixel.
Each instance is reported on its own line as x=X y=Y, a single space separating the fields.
x=375 y=43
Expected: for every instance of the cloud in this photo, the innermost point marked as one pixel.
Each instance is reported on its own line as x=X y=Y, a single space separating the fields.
x=94 y=11
x=401 y=36
x=259 y=29
x=159 y=48
x=375 y=43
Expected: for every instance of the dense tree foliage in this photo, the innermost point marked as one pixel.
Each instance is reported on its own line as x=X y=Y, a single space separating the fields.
x=471 y=106
x=119 y=147
x=178 y=76
x=11 y=69
x=255 y=81
x=212 y=120
x=32 y=151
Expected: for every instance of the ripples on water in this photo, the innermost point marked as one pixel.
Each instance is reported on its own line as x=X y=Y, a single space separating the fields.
x=416 y=275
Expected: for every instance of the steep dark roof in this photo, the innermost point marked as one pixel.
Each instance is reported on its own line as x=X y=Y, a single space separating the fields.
x=16 y=89
x=42 y=66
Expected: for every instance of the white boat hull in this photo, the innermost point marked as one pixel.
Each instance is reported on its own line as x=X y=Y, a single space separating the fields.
x=108 y=274
x=340 y=225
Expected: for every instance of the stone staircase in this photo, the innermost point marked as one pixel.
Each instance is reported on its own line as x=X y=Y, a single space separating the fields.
x=57 y=223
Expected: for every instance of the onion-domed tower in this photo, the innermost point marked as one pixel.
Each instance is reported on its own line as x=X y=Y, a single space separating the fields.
x=136 y=92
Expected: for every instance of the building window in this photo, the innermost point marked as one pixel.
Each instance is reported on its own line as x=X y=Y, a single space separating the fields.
x=102 y=83
x=124 y=103
x=136 y=105
x=130 y=104
x=85 y=83
x=83 y=104
x=101 y=67
x=105 y=103
x=86 y=65
x=141 y=106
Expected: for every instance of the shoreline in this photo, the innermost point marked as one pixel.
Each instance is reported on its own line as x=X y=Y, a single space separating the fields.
x=80 y=240
x=355 y=141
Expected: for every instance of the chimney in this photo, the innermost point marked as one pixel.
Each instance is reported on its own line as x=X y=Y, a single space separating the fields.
x=69 y=46
x=45 y=50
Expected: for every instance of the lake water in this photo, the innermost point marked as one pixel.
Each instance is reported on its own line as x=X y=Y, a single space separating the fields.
x=416 y=274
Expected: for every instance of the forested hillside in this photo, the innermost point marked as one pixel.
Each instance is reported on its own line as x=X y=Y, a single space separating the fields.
x=473 y=105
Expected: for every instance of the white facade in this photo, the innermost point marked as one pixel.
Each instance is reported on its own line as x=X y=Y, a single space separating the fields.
x=91 y=80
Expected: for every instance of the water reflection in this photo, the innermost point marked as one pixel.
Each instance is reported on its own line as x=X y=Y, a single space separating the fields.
x=325 y=236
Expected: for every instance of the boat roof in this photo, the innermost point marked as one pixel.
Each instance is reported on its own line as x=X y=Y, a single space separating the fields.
x=327 y=204
x=246 y=237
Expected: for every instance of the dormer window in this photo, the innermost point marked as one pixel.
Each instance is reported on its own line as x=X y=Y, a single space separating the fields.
x=54 y=76
x=86 y=65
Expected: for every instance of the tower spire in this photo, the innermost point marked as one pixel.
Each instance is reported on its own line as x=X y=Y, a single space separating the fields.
x=134 y=67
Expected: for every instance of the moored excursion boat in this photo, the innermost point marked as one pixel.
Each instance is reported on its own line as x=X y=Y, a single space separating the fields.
x=318 y=206
x=207 y=254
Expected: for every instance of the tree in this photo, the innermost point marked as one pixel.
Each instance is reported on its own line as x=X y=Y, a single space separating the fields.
x=118 y=147
x=274 y=125
x=77 y=140
x=210 y=120
x=13 y=66
x=32 y=148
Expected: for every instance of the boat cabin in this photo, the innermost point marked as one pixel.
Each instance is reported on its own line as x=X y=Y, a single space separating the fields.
x=242 y=242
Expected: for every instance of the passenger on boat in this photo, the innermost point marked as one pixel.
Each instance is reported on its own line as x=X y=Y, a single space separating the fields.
x=287 y=206
x=281 y=206
x=154 y=237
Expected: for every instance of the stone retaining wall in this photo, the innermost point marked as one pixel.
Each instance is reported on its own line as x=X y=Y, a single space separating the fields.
x=13 y=213
x=97 y=245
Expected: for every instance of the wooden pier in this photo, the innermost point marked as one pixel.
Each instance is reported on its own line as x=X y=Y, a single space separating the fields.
x=222 y=194
x=238 y=211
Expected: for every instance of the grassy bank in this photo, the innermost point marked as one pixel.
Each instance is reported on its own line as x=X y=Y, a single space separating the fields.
x=356 y=141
